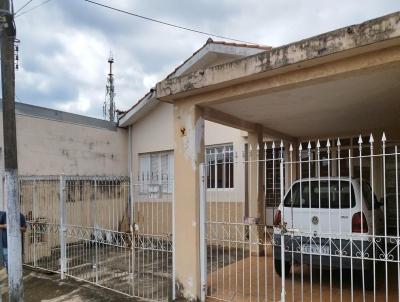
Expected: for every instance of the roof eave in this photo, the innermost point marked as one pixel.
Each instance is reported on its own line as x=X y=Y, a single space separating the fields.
x=137 y=112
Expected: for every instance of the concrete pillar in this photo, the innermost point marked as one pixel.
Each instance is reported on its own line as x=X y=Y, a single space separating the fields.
x=189 y=153
x=256 y=183
x=256 y=175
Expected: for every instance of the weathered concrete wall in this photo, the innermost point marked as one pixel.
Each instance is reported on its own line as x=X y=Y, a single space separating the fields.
x=50 y=147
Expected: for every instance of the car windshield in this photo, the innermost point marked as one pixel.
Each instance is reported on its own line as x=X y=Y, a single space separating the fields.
x=332 y=194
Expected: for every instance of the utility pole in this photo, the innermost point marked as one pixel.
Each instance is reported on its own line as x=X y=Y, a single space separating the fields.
x=8 y=33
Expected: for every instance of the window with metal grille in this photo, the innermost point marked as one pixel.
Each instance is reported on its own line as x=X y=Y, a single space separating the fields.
x=220 y=167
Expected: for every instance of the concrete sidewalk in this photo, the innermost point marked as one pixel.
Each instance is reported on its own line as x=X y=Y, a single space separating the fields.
x=40 y=286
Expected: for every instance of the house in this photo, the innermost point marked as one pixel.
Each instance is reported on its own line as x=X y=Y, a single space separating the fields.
x=211 y=152
x=330 y=102
x=151 y=132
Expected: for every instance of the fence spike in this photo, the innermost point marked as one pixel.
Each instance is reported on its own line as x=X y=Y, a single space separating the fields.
x=300 y=147
x=328 y=143
x=291 y=148
x=281 y=145
x=383 y=137
x=309 y=145
x=273 y=144
x=318 y=144
x=360 y=141
x=265 y=146
x=338 y=143
x=371 y=139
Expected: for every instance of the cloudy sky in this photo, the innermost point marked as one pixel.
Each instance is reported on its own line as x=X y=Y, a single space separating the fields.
x=65 y=43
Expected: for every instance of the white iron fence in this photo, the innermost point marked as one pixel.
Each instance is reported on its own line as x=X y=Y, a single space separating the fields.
x=328 y=208
x=81 y=227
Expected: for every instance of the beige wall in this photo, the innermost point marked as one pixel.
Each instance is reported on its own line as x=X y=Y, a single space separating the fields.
x=155 y=133
x=219 y=134
x=152 y=133
x=49 y=147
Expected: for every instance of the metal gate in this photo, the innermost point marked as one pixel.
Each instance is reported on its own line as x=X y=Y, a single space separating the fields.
x=81 y=228
x=328 y=208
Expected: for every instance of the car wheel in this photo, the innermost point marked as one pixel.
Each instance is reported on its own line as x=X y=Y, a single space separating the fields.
x=278 y=267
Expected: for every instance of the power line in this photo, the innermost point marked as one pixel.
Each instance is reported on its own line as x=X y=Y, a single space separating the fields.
x=33 y=8
x=166 y=23
x=23 y=6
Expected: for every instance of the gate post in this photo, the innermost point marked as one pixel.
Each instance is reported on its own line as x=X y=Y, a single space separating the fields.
x=34 y=225
x=63 y=257
x=132 y=228
x=203 y=243
x=96 y=233
x=283 y=230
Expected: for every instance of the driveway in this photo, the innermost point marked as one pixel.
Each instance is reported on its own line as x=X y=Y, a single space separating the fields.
x=254 y=279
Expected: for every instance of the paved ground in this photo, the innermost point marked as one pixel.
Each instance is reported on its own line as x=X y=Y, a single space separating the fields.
x=49 y=288
x=254 y=279
x=111 y=265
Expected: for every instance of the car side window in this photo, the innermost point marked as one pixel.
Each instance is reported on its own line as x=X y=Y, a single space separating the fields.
x=292 y=198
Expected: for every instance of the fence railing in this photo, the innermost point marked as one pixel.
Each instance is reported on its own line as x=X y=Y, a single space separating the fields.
x=321 y=224
x=81 y=227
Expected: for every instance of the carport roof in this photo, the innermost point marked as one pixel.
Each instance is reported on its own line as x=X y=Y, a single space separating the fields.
x=348 y=41
x=343 y=82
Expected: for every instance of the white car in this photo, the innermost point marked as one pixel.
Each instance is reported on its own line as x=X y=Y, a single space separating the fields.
x=329 y=225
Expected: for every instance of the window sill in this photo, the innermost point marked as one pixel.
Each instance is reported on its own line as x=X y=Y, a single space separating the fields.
x=220 y=190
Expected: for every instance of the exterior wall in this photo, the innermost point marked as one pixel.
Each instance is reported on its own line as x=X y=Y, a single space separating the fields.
x=217 y=134
x=152 y=133
x=151 y=136
x=49 y=147
x=155 y=133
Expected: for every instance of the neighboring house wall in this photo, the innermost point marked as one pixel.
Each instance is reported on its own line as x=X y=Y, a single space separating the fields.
x=51 y=147
x=52 y=142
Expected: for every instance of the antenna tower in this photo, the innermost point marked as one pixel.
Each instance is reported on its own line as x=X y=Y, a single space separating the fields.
x=109 y=103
